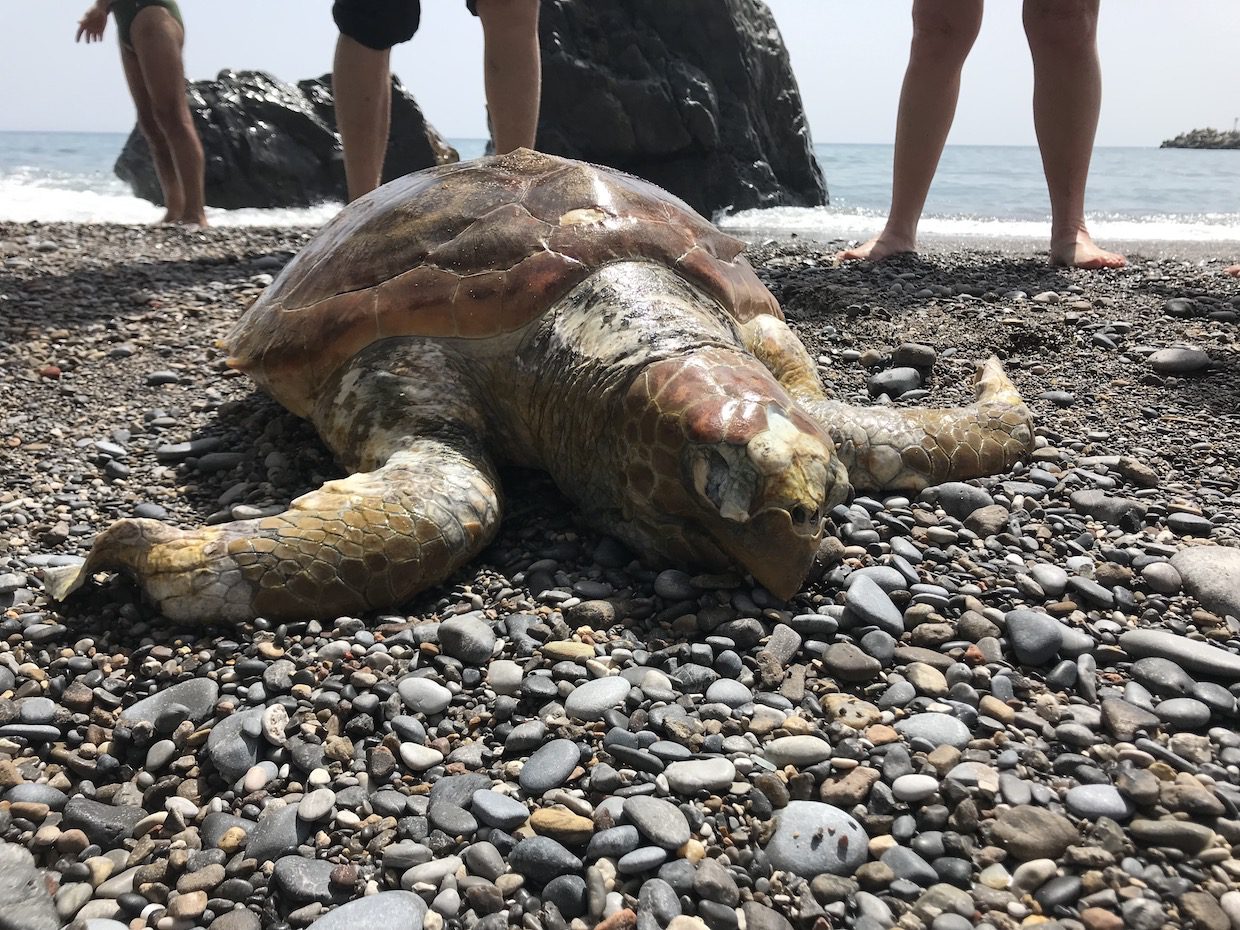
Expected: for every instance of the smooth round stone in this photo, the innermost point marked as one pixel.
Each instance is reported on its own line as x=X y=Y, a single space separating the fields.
x=1094 y=801
x=1162 y=676
x=550 y=766
x=1211 y=574
x=419 y=758
x=1162 y=577
x=1179 y=360
x=453 y=820
x=541 y=858
x=935 y=728
x=645 y=859
x=36 y=793
x=914 y=788
x=613 y=843
x=504 y=676
x=498 y=810
x=694 y=775
x=797 y=751
x=423 y=696
x=431 y=873
x=1183 y=713
x=316 y=805
x=467 y=638
x=869 y=605
x=1052 y=579
x=674 y=585
x=1189 y=524
x=894 y=382
x=659 y=821
x=1035 y=637
x=1189 y=654
x=729 y=692
x=959 y=499
x=393 y=909
x=591 y=700
x=811 y=838
x=36 y=710
x=197 y=694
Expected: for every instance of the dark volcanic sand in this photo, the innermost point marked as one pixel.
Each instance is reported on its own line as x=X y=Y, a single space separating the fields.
x=1022 y=676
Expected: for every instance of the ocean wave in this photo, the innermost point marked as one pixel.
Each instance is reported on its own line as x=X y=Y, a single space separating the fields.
x=26 y=199
x=828 y=223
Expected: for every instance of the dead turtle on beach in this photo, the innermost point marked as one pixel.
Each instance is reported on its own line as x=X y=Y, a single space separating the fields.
x=542 y=312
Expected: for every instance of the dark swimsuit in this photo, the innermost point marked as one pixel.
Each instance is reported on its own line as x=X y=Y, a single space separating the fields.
x=126 y=10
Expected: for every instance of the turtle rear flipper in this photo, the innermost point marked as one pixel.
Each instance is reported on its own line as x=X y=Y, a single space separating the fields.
x=909 y=448
x=368 y=541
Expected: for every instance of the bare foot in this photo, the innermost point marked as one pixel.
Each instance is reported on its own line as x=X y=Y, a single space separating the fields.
x=197 y=220
x=1081 y=252
x=168 y=219
x=1233 y=270
x=881 y=247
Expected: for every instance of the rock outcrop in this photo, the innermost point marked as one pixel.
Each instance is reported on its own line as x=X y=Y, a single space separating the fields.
x=697 y=96
x=272 y=144
x=1204 y=139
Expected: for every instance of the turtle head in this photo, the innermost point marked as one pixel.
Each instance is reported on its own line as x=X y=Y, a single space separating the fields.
x=736 y=472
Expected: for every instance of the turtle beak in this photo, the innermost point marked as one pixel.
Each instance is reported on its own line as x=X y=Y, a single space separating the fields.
x=767 y=503
x=782 y=564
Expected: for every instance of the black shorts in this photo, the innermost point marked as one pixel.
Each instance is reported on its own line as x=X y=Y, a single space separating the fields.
x=380 y=24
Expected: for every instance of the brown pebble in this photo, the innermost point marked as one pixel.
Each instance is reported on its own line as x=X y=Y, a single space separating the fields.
x=344 y=876
x=1097 y=918
x=188 y=905
x=72 y=841
x=621 y=920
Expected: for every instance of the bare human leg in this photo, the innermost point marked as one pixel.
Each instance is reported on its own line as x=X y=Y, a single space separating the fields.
x=1067 y=95
x=161 y=155
x=512 y=68
x=362 y=85
x=157 y=41
x=943 y=34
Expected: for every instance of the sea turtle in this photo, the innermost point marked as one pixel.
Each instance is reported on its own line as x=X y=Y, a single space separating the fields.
x=543 y=312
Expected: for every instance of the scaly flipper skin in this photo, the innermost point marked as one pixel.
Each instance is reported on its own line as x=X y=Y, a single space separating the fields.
x=370 y=540
x=903 y=448
x=910 y=448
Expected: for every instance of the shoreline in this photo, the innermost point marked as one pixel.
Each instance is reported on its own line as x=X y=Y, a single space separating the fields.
x=1226 y=251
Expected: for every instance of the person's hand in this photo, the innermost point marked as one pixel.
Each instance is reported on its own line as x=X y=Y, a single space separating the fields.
x=93 y=23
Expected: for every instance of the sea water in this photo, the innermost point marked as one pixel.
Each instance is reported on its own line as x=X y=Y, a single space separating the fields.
x=991 y=191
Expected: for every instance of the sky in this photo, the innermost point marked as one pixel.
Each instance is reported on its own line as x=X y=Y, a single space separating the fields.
x=1163 y=72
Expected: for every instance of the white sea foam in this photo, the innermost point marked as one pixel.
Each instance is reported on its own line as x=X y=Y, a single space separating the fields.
x=828 y=223
x=26 y=199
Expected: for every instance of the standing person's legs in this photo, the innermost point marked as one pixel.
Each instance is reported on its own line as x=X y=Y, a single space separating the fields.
x=157 y=38
x=1067 y=96
x=943 y=34
x=512 y=67
x=362 y=86
x=362 y=82
x=161 y=154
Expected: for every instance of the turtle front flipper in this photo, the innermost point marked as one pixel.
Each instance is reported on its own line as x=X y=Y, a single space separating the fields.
x=909 y=448
x=368 y=541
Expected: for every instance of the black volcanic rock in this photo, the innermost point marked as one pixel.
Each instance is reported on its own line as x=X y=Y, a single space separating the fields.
x=1203 y=139
x=697 y=96
x=272 y=144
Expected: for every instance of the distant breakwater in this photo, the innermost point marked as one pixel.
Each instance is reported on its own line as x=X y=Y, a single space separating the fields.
x=1203 y=139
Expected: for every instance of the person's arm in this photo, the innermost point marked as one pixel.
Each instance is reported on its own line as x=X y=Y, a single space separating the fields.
x=93 y=22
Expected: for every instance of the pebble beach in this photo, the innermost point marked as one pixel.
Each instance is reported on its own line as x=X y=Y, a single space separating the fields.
x=1005 y=703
